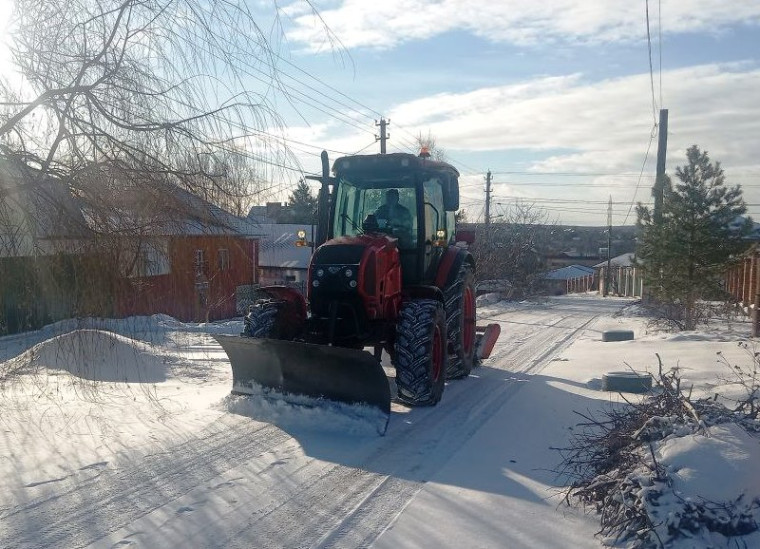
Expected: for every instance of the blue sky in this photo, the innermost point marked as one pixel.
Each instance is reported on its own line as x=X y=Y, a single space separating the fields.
x=554 y=97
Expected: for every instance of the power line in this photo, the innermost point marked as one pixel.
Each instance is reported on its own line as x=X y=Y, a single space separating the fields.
x=659 y=43
x=328 y=86
x=651 y=70
x=643 y=164
x=569 y=174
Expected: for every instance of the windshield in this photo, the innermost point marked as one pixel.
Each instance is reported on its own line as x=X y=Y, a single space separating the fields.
x=392 y=203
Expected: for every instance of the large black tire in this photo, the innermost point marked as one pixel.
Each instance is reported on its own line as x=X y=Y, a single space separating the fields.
x=460 y=324
x=421 y=355
x=266 y=321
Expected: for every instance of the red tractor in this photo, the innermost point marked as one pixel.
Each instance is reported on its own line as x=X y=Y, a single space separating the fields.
x=387 y=274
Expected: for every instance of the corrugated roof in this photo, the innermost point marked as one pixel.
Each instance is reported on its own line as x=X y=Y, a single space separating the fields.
x=569 y=272
x=277 y=246
x=34 y=208
x=624 y=260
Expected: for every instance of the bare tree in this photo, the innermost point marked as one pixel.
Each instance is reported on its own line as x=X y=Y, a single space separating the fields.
x=513 y=248
x=143 y=83
x=129 y=99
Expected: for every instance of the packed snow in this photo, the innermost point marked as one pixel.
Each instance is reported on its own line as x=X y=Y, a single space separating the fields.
x=123 y=433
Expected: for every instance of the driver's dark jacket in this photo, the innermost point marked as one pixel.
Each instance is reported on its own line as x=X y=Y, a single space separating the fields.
x=398 y=215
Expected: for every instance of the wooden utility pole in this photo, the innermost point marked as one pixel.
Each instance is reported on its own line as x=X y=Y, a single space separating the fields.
x=383 y=137
x=607 y=274
x=659 y=183
x=488 y=200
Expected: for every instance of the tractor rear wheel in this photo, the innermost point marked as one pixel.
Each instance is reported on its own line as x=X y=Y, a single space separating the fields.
x=421 y=355
x=460 y=324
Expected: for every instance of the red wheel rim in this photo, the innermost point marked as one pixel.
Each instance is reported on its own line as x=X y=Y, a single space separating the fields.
x=468 y=337
x=437 y=353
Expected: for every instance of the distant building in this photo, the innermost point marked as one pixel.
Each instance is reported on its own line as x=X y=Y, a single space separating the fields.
x=625 y=278
x=557 y=279
x=280 y=260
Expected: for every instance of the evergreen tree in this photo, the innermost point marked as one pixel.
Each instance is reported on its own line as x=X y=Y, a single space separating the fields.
x=702 y=227
x=302 y=205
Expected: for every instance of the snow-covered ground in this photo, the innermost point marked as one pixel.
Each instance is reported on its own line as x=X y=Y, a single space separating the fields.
x=123 y=433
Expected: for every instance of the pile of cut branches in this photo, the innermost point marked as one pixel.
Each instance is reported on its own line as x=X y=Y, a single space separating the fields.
x=612 y=467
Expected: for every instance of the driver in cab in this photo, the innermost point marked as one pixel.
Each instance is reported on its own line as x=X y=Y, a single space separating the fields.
x=392 y=214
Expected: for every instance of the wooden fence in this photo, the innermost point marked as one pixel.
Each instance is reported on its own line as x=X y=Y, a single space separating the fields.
x=742 y=279
x=625 y=281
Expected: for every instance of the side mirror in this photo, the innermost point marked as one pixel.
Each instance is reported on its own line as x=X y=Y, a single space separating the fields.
x=451 y=194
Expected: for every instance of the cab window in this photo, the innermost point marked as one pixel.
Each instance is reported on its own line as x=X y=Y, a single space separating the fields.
x=353 y=203
x=435 y=216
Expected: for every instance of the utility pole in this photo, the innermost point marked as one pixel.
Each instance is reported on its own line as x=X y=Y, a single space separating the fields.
x=609 y=249
x=659 y=182
x=488 y=200
x=383 y=137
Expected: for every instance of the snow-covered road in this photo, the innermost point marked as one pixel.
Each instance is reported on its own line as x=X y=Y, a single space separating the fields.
x=270 y=480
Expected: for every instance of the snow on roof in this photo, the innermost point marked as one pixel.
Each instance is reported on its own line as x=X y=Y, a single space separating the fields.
x=278 y=246
x=35 y=207
x=624 y=260
x=571 y=271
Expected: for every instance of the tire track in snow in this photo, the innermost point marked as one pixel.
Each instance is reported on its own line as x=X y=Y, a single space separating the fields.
x=351 y=507
x=84 y=512
x=345 y=503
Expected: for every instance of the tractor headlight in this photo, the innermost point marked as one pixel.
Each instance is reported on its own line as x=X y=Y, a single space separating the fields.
x=349 y=273
x=352 y=283
x=320 y=273
x=315 y=283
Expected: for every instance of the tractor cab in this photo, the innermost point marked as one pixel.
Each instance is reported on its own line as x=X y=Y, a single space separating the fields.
x=408 y=198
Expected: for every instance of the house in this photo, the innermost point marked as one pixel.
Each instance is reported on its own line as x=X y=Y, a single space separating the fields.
x=110 y=246
x=569 y=278
x=43 y=250
x=194 y=261
x=280 y=260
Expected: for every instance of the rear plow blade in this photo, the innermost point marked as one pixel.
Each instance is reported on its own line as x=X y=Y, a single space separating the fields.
x=338 y=374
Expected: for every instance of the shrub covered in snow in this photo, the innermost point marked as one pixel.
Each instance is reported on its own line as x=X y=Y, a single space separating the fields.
x=668 y=471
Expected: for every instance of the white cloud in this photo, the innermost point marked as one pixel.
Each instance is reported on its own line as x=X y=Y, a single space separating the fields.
x=606 y=124
x=603 y=126
x=386 y=24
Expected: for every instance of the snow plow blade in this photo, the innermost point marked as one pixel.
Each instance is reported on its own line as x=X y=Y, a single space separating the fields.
x=319 y=371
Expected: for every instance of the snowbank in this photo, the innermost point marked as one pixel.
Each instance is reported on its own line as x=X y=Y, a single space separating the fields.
x=94 y=355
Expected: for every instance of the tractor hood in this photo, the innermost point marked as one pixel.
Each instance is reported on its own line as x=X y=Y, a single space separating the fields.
x=349 y=250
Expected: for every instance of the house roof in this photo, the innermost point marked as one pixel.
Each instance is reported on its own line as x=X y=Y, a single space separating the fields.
x=624 y=260
x=277 y=246
x=33 y=208
x=155 y=208
x=571 y=271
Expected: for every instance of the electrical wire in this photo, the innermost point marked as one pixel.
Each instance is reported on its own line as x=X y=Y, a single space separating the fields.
x=651 y=70
x=643 y=164
x=659 y=43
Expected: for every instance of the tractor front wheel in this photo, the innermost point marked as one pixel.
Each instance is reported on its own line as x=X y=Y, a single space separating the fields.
x=421 y=357
x=272 y=319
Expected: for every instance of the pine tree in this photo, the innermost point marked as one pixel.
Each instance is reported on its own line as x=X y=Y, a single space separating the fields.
x=302 y=205
x=702 y=227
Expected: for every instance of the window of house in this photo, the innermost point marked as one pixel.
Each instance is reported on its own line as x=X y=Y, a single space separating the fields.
x=223 y=259
x=200 y=261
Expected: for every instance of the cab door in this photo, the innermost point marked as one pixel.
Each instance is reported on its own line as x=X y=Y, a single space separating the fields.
x=434 y=226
